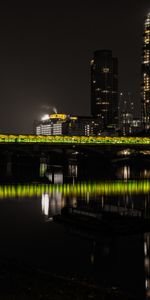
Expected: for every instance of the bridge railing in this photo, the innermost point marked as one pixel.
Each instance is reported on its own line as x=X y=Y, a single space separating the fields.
x=72 y=139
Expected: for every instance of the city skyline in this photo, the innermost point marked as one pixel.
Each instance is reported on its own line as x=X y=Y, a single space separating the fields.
x=46 y=51
x=145 y=84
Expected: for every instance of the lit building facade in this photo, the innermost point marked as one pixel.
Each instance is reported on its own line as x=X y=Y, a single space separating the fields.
x=54 y=124
x=145 y=91
x=62 y=124
x=104 y=88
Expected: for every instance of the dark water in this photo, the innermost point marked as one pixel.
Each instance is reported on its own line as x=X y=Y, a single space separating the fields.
x=29 y=234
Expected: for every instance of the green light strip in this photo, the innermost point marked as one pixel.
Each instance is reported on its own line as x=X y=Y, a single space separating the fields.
x=73 y=139
x=79 y=189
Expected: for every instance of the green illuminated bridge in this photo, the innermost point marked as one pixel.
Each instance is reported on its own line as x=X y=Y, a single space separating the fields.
x=77 y=140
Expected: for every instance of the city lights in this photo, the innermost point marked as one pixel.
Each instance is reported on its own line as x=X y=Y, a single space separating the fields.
x=45 y=117
x=145 y=74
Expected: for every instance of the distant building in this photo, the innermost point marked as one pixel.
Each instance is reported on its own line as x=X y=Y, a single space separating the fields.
x=136 y=125
x=126 y=123
x=145 y=90
x=85 y=125
x=129 y=125
x=62 y=124
x=104 y=88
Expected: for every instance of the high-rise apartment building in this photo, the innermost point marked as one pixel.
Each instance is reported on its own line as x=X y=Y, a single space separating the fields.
x=104 y=88
x=145 y=86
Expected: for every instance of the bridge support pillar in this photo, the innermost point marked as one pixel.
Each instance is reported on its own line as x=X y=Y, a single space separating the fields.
x=9 y=164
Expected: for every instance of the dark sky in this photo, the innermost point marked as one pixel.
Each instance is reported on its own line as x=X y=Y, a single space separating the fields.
x=45 y=50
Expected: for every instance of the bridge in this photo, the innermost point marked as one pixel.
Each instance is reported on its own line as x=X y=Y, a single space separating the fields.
x=23 y=154
x=73 y=140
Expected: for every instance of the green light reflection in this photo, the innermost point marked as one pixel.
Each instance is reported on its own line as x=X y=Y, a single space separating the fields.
x=107 y=188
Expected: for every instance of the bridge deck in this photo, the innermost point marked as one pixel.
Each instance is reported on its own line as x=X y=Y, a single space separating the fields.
x=93 y=140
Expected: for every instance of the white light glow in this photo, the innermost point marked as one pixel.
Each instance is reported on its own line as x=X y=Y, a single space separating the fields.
x=45 y=117
x=45 y=204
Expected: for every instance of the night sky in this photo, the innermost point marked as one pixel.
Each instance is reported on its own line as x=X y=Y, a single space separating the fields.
x=45 y=52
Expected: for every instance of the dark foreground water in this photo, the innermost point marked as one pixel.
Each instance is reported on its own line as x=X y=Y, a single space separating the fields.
x=29 y=235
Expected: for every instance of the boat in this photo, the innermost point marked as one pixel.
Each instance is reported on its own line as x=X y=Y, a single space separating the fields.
x=106 y=222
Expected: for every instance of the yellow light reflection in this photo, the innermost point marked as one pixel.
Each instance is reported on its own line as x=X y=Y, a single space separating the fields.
x=132 y=187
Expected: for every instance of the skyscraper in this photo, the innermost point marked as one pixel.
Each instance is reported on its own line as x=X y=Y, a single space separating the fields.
x=145 y=86
x=104 y=88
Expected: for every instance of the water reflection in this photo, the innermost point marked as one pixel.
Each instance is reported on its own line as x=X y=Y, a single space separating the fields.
x=92 y=257
x=54 y=173
x=45 y=204
x=145 y=174
x=121 y=170
x=133 y=196
x=43 y=168
x=124 y=172
x=73 y=170
x=81 y=189
x=51 y=204
x=147 y=264
x=108 y=259
x=55 y=177
x=114 y=196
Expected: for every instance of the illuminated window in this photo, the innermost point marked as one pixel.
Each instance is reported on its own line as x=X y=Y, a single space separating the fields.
x=92 y=62
x=105 y=70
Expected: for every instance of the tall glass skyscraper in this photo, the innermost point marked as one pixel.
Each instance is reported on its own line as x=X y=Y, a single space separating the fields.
x=145 y=86
x=104 y=88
